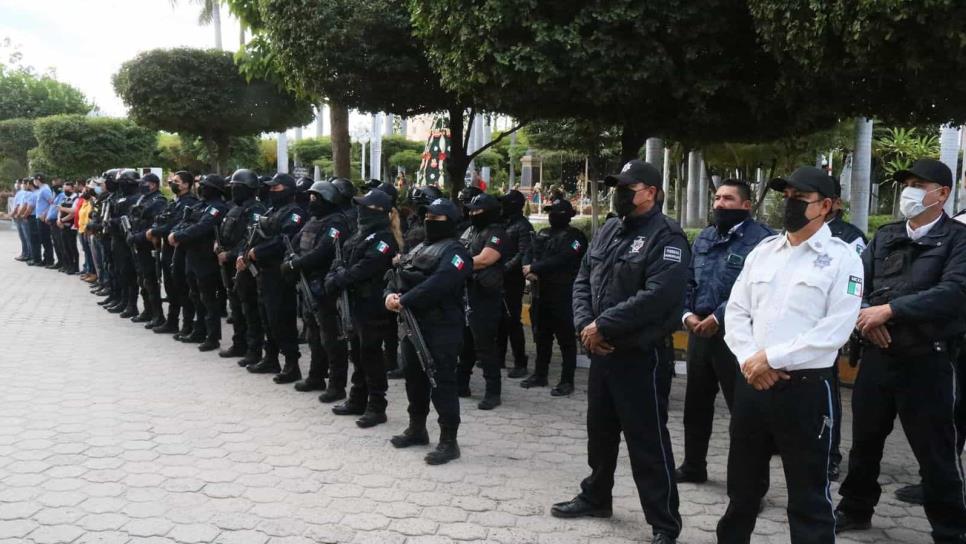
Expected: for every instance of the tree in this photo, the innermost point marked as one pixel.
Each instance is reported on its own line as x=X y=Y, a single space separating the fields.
x=16 y=139
x=408 y=160
x=201 y=93
x=690 y=70
x=360 y=54
x=80 y=146
x=26 y=95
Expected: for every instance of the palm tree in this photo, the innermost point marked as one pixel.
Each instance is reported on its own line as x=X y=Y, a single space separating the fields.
x=210 y=15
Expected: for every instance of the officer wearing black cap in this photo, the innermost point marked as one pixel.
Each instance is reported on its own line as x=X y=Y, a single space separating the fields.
x=348 y=192
x=913 y=322
x=277 y=297
x=557 y=252
x=368 y=256
x=391 y=345
x=485 y=240
x=842 y=229
x=316 y=248
x=430 y=283
x=248 y=334
x=302 y=186
x=121 y=254
x=198 y=233
x=172 y=258
x=791 y=309
x=147 y=209
x=627 y=302
x=516 y=253
x=717 y=257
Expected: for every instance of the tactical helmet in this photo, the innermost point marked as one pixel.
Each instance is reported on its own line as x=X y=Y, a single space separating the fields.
x=326 y=191
x=345 y=187
x=285 y=180
x=245 y=177
x=484 y=202
x=513 y=202
x=390 y=190
x=110 y=174
x=468 y=193
x=423 y=196
x=150 y=178
x=303 y=184
x=213 y=180
x=128 y=176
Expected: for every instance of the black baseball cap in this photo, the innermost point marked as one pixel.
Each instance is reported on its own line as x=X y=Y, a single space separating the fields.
x=927 y=170
x=561 y=205
x=636 y=171
x=376 y=198
x=807 y=179
x=445 y=206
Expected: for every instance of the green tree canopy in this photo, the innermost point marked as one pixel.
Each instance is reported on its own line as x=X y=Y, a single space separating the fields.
x=24 y=94
x=201 y=93
x=16 y=139
x=80 y=146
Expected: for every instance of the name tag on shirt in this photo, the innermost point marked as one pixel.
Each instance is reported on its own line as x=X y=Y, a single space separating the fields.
x=672 y=254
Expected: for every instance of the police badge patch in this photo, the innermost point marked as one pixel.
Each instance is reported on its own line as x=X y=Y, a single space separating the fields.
x=296 y=218
x=822 y=261
x=637 y=244
x=213 y=212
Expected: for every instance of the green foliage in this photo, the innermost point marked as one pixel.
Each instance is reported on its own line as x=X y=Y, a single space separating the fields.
x=898 y=148
x=79 y=146
x=310 y=150
x=877 y=221
x=24 y=94
x=201 y=92
x=408 y=159
x=489 y=158
x=11 y=169
x=396 y=143
x=172 y=154
x=267 y=161
x=16 y=138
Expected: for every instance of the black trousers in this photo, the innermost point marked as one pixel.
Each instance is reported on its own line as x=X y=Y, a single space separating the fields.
x=201 y=311
x=239 y=325
x=208 y=285
x=484 y=317
x=124 y=268
x=711 y=366
x=444 y=342
x=57 y=236
x=279 y=312
x=69 y=237
x=44 y=240
x=150 y=285
x=330 y=357
x=369 y=382
x=793 y=418
x=961 y=409
x=555 y=319
x=924 y=392
x=628 y=392
x=246 y=289
x=510 y=326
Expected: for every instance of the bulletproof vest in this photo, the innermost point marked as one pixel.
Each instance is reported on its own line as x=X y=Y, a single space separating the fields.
x=419 y=264
x=310 y=233
x=490 y=277
x=236 y=221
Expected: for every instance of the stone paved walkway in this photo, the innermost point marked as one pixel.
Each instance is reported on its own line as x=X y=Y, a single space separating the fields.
x=111 y=434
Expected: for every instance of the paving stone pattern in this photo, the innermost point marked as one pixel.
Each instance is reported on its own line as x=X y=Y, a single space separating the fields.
x=110 y=434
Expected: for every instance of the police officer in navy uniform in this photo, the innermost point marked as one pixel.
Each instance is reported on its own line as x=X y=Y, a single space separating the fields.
x=277 y=298
x=717 y=258
x=465 y=196
x=842 y=229
x=198 y=238
x=149 y=206
x=368 y=256
x=121 y=255
x=431 y=279
x=627 y=302
x=517 y=252
x=913 y=321
x=248 y=334
x=173 y=258
x=485 y=241
x=556 y=254
x=316 y=247
x=420 y=198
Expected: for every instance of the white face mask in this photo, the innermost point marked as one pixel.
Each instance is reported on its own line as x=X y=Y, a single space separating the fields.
x=910 y=202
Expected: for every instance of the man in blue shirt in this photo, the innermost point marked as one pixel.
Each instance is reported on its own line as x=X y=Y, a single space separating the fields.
x=29 y=218
x=51 y=219
x=717 y=257
x=44 y=198
x=18 y=202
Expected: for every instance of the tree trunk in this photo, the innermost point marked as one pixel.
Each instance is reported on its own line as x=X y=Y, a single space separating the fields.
x=341 y=147
x=219 y=149
x=241 y=34
x=457 y=161
x=632 y=138
x=216 y=22
x=861 y=174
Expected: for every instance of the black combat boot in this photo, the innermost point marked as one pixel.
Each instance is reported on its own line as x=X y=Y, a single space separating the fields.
x=210 y=344
x=332 y=394
x=489 y=402
x=170 y=325
x=349 y=408
x=534 y=380
x=234 y=351
x=375 y=414
x=147 y=315
x=414 y=435
x=310 y=384
x=447 y=449
x=291 y=373
x=196 y=337
x=251 y=357
x=268 y=365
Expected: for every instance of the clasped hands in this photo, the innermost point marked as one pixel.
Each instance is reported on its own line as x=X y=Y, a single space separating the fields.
x=759 y=374
x=871 y=324
x=594 y=341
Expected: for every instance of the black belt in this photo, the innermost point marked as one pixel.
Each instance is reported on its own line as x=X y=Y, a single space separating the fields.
x=811 y=375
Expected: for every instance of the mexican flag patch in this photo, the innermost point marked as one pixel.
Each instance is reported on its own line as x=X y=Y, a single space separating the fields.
x=457 y=262
x=855 y=286
x=296 y=218
x=213 y=212
x=334 y=233
x=382 y=247
x=575 y=246
x=495 y=240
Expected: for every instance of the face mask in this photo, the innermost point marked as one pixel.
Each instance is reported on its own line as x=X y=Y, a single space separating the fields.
x=279 y=198
x=624 y=201
x=111 y=185
x=559 y=220
x=145 y=189
x=910 y=202
x=725 y=219
x=370 y=219
x=795 y=218
x=481 y=220
x=321 y=208
x=439 y=230
x=98 y=189
x=240 y=194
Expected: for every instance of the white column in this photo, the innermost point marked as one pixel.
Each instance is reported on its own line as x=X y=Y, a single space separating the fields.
x=487 y=130
x=703 y=195
x=282 y=151
x=320 y=115
x=298 y=137
x=666 y=162
x=404 y=127
x=375 y=148
x=654 y=153
x=362 y=171
x=949 y=155
x=387 y=129
x=861 y=174
x=694 y=182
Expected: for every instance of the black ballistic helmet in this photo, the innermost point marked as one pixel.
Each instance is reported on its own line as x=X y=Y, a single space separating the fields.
x=423 y=196
x=213 y=180
x=245 y=177
x=285 y=180
x=108 y=174
x=129 y=177
x=468 y=193
x=484 y=202
x=327 y=192
x=303 y=184
x=345 y=187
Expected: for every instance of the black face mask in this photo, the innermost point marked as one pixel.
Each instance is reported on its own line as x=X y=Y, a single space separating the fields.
x=559 y=220
x=370 y=220
x=241 y=194
x=725 y=219
x=144 y=188
x=481 y=220
x=279 y=198
x=321 y=208
x=439 y=230
x=210 y=193
x=624 y=201
x=111 y=185
x=795 y=218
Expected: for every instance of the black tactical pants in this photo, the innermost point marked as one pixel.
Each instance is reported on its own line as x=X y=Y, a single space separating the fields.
x=239 y=325
x=555 y=319
x=485 y=311
x=711 y=366
x=279 y=312
x=369 y=382
x=510 y=326
x=444 y=342
x=179 y=289
x=329 y=354
x=246 y=289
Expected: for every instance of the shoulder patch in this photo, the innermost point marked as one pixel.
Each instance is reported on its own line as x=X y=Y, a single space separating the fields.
x=495 y=240
x=382 y=247
x=576 y=245
x=213 y=211
x=672 y=254
x=334 y=233
x=296 y=218
x=854 y=286
x=371 y=236
x=457 y=262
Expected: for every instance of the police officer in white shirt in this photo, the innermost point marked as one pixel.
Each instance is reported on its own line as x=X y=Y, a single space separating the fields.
x=793 y=305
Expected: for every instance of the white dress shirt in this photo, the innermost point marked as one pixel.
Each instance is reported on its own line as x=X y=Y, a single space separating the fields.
x=915 y=234
x=798 y=303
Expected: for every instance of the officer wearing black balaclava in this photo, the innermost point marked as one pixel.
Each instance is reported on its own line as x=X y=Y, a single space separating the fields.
x=348 y=192
x=127 y=305
x=173 y=258
x=516 y=253
x=149 y=206
x=247 y=332
x=430 y=281
x=485 y=240
x=464 y=197
x=315 y=247
x=198 y=234
x=277 y=296
x=419 y=199
x=102 y=241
